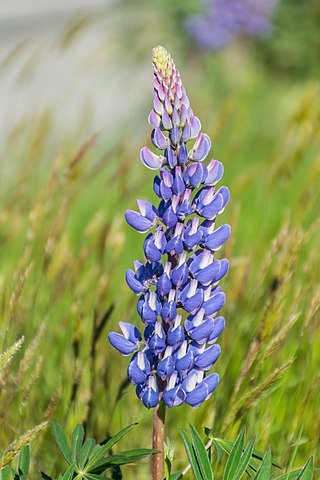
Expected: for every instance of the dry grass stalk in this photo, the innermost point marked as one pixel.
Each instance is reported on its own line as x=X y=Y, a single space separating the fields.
x=279 y=337
x=35 y=374
x=314 y=308
x=7 y=356
x=14 y=448
x=76 y=159
x=17 y=292
x=52 y=406
x=28 y=357
x=246 y=401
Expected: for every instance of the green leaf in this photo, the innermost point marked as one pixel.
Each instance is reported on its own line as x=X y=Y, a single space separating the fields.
x=219 y=450
x=62 y=442
x=85 y=451
x=227 y=447
x=245 y=460
x=45 y=476
x=264 y=472
x=76 y=441
x=69 y=472
x=260 y=455
x=104 y=448
x=24 y=462
x=234 y=459
x=123 y=458
x=307 y=470
x=5 y=473
x=191 y=455
x=201 y=454
x=92 y=476
x=175 y=475
x=290 y=475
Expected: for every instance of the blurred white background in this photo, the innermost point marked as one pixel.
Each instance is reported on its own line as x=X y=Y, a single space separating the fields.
x=61 y=56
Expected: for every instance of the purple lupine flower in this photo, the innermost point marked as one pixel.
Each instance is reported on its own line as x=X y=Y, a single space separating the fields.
x=177 y=285
x=224 y=20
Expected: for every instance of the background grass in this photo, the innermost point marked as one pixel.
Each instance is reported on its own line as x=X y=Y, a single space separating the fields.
x=65 y=245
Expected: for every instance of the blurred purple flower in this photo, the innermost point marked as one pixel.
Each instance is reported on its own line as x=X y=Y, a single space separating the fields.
x=179 y=295
x=224 y=20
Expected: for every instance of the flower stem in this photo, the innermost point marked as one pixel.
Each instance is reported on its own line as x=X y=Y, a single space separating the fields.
x=159 y=415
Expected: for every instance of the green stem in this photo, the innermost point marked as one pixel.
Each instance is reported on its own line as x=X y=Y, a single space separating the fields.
x=159 y=415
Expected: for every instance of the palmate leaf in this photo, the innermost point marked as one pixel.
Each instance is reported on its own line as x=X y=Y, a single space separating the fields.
x=244 y=461
x=68 y=474
x=24 y=463
x=85 y=451
x=227 y=447
x=5 y=473
x=264 y=472
x=307 y=470
x=92 y=476
x=191 y=455
x=234 y=458
x=45 y=476
x=100 y=450
x=76 y=441
x=223 y=446
x=123 y=458
x=201 y=454
x=293 y=475
x=62 y=442
x=175 y=475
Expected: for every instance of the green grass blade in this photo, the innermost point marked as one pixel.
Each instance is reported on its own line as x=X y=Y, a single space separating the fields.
x=62 y=442
x=201 y=454
x=264 y=472
x=76 y=441
x=24 y=462
x=191 y=455
x=245 y=460
x=307 y=470
x=234 y=458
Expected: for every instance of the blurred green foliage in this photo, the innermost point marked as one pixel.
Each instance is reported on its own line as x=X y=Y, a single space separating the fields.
x=65 y=245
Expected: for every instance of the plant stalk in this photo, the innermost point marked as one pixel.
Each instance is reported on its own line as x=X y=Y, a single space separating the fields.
x=159 y=415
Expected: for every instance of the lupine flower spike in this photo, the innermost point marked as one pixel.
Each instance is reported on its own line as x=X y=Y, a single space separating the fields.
x=178 y=283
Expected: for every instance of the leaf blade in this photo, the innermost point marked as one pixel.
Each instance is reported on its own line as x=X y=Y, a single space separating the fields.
x=191 y=455
x=24 y=462
x=244 y=460
x=234 y=458
x=76 y=441
x=109 y=444
x=201 y=454
x=307 y=470
x=62 y=442
x=264 y=472
x=68 y=474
